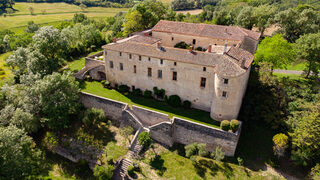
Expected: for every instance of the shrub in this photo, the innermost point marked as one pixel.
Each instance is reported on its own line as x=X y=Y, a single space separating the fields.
x=123 y=88
x=182 y=45
x=93 y=116
x=137 y=92
x=225 y=125
x=160 y=93
x=202 y=150
x=106 y=84
x=234 y=125
x=280 y=142
x=130 y=171
x=89 y=78
x=219 y=154
x=147 y=94
x=174 y=101
x=191 y=149
x=2 y=73
x=144 y=139
x=315 y=172
x=103 y=173
x=187 y=104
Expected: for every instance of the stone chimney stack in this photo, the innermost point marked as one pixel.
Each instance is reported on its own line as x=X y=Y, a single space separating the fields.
x=191 y=49
x=159 y=45
x=210 y=48
x=114 y=40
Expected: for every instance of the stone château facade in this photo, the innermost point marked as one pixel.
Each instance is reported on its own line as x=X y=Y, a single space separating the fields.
x=213 y=80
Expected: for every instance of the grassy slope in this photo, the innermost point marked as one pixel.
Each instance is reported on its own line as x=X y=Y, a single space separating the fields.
x=54 y=12
x=7 y=70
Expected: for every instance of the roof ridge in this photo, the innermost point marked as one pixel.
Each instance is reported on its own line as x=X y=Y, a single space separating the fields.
x=200 y=24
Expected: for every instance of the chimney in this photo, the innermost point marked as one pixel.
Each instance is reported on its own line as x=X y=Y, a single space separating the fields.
x=225 y=48
x=114 y=40
x=159 y=44
x=210 y=48
x=191 y=49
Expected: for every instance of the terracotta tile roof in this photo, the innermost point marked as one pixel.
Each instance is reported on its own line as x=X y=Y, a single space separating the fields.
x=242 y=57
x=224 y=64
x=205 y=30
x=144 y=39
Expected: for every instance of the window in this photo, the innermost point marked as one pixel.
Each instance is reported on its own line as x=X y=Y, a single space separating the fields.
x=172 y=38
x=194 y=41
x=111 y=64
x=139 y=58
x=120 y=53
x=174 y=75
x=134 y=69
x=225 y=81
x=161 y=61
x=121 y=67
x=160 y=74
x=204 y=69
x=149 y=72
x=175 y=63
x=203 y=82
x=224 y=94
x=149 y=58
x=130 y=56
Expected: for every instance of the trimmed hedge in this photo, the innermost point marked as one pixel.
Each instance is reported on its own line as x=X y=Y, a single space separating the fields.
x=174 y=101
x=147 y=94
x=137 y=92
x=187 y=104
x=225 y=125
x=123 y=88
x=234 y=125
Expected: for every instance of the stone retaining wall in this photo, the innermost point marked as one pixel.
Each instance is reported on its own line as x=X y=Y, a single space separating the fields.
x=162 y=129
x=149 y=117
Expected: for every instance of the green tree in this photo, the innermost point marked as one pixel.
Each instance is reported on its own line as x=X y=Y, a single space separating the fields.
x=280 y=142
x=103 y=173
x=275 y=50
x=18 y=60
x=126 y=132
x=294 y=23
x=79 y=17
x=246 y=17
x=52 y=44
x=133 y=22
x=144 y=139
x=5 y=4
x=304 y=131
x=93 y=116
x=18 y=156
x=31 y=27
x=307 y=48
x=57 y=97
x=263 y=16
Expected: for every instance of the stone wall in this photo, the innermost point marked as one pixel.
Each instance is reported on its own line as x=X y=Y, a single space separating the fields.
x=162 y=129
x=162 y=133
x=113 y=109
x=149 y=117
x=186 y=132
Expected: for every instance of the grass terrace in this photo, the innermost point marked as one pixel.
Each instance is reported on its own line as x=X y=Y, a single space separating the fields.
x=160 y=106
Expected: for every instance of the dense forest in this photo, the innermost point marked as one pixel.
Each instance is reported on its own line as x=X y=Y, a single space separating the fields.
x=289 y=108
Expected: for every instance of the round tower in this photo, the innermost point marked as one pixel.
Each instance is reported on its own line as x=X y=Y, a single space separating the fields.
x=228 y=95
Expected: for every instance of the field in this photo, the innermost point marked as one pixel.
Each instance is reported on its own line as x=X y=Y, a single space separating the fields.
x=49 y=13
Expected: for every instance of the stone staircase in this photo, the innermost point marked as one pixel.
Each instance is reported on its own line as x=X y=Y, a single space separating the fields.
x=120 y=172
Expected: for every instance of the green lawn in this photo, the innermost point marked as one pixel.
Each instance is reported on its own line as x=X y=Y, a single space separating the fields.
x=53 y=12
x=297 y=67
x=174 y=166
x=290 y=76
x=190 y=114
x=6 y=69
